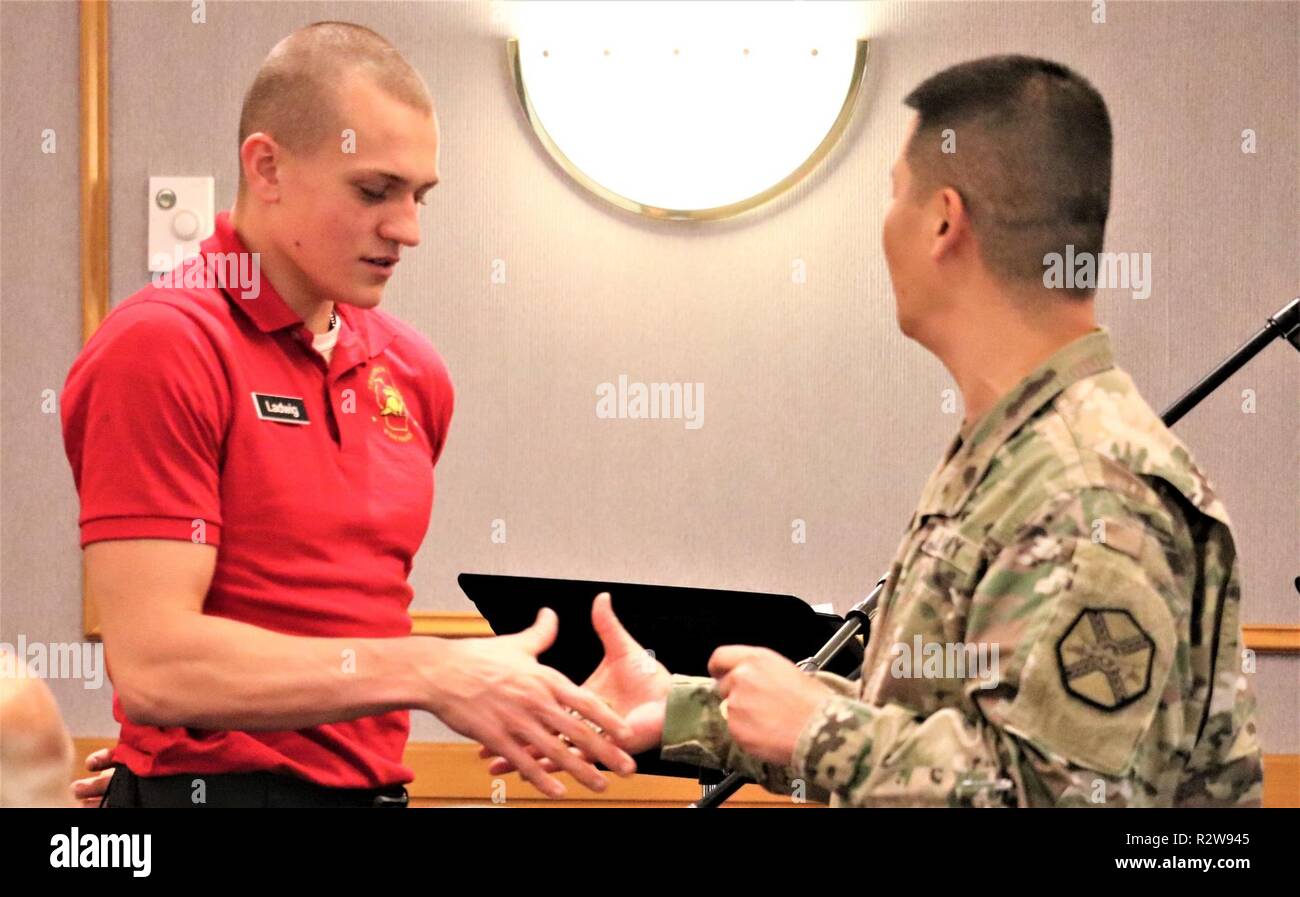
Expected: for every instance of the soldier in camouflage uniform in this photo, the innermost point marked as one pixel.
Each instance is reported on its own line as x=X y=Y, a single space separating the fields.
x=1071 y=531
x=1067 y=536
x=1066 y=533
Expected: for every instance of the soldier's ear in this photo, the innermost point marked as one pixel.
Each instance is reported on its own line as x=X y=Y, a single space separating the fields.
x=952 y=223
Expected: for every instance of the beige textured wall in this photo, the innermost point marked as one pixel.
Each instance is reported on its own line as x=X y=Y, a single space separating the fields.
x=816 y=408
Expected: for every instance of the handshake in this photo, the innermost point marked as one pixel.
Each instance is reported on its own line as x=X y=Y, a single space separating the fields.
x=531 y=719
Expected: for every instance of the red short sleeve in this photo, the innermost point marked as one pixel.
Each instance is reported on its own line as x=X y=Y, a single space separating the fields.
x=443 y=400
x=144 y=414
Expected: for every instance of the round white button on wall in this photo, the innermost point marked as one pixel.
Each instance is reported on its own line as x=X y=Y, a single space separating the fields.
x=185 y=225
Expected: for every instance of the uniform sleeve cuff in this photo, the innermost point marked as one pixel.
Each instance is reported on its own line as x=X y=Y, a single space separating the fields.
x=830 y=747
x=695 y=731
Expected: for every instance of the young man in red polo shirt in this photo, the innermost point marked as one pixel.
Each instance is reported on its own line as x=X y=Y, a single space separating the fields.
x=253 y=442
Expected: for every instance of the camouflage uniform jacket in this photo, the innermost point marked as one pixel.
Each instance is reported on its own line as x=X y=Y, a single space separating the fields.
x=1067 y=539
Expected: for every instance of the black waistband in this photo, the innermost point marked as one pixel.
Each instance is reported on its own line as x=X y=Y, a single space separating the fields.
x=241 y=789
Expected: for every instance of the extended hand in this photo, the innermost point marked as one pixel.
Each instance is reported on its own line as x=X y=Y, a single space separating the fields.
x=629 y=680
x=629 y=676
x=494 y=691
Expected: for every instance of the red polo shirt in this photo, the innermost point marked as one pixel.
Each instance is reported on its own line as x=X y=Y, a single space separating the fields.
x=202 y=413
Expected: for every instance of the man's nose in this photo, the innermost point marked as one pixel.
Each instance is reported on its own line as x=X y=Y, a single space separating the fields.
x=403 y=225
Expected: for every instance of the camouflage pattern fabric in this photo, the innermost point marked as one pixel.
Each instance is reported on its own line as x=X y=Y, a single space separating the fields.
x=1060 y=625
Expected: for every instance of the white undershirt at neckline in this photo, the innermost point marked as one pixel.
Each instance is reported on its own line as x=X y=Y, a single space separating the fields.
x=324 y=342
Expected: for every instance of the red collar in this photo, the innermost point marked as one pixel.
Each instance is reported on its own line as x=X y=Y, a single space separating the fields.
x=268 y=310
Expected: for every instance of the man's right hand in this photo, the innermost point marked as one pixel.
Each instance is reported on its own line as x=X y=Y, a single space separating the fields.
x=494 y=691
x=629 y=679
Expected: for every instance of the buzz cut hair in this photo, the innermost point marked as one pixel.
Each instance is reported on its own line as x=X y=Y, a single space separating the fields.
x=1031 y=161
x=295 y=95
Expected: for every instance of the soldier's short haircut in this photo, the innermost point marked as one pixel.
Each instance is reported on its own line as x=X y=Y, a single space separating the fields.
x=1032 y=158
x=295 y=94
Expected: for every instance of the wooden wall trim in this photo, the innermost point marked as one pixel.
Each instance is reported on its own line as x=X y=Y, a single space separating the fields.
x=94 y=164
x=1272 y=638
x=449 y=624
x=451 y=774
x=1263 y=638
x=93 y=138
x=1282 y=780
x=454 y=772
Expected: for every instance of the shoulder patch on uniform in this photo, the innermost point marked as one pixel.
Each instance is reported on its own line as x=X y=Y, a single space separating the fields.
x=1105 y=658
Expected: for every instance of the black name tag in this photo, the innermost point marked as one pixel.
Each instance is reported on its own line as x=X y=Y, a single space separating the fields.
x=286 y=409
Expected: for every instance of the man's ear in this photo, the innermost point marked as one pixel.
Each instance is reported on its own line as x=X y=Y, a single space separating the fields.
x=259 y=157
x=952 y=223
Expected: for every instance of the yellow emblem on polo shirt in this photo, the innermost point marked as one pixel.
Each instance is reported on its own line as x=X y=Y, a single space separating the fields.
x=392 y=407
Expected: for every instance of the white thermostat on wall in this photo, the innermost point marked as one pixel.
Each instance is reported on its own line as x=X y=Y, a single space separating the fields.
x=180 y=217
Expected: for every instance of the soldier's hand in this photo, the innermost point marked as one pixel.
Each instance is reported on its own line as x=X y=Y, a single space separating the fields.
x=629 y=675
x=494 y=691
x=767 y=700
x=629 y=680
